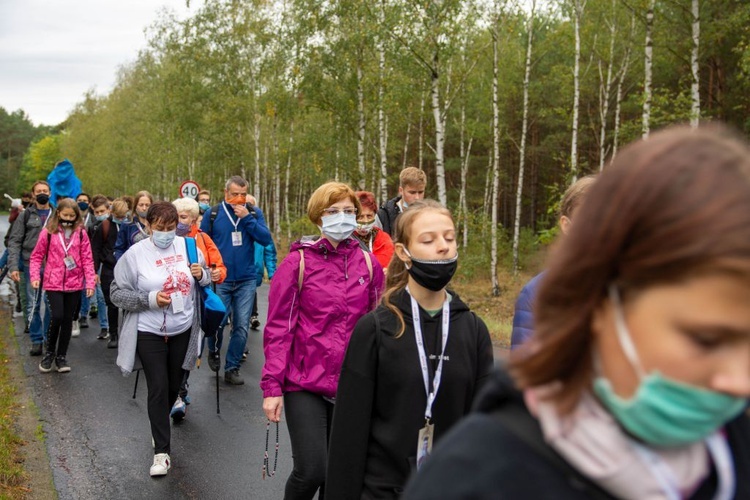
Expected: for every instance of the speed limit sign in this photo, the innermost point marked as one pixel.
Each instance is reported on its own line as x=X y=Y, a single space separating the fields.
x=189 y=189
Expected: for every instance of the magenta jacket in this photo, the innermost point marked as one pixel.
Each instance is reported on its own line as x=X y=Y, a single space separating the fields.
x=307 y=331
x=57 y=277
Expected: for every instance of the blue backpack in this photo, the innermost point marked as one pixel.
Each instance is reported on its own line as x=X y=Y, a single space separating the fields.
x=211 y=306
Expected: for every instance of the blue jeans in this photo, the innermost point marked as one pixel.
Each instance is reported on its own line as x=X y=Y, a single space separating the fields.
x=3 y=264
x=85 y=304
x=39 y=322
x=101 y=307
x=238 y=298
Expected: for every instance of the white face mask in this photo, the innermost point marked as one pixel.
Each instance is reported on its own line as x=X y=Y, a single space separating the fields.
x=338 y=227
x=365 y=229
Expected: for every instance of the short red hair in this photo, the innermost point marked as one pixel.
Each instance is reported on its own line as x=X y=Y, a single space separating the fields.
x=367 y=200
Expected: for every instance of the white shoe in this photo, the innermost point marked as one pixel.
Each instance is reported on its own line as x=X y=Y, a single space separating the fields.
x=161 y=466
x=76 y=329
x=17 y=314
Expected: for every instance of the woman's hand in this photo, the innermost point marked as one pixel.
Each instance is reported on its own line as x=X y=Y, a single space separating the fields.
x=272 y=408
x=89 y=292
x=35 y=284
x=196 y=270
x=163 y=299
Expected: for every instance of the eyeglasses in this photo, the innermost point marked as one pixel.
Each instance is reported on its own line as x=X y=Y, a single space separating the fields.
x=366 y=218
x=334 y=211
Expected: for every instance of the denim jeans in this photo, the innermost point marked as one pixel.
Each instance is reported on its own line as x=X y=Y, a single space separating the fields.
x=238 y=299
x=101 y=307
x=85 y=304
x=39 y=322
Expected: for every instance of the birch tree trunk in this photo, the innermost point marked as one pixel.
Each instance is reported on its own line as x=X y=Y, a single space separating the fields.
x=439 y=133
x=578 y=6
x=495 y=159
x=382 y=125
x=256 y=136
x=406 y=143
x=648 y=69
x=361 y=132
x=605 y=88
x=277 y=179
x=421 y=133
x=286 y=180
x=524 y=126
x=695 y=113
x=620 y=83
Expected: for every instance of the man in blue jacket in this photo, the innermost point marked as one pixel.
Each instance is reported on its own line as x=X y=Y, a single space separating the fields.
x=235 y=227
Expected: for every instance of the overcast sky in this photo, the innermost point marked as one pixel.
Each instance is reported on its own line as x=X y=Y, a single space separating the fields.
x=53 y=51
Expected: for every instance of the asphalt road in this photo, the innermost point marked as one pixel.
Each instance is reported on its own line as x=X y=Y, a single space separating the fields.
x=99 y=441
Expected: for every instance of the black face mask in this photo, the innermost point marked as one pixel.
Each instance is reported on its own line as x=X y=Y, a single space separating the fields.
x=42 y=198
x=67 y=223
x=433 y=274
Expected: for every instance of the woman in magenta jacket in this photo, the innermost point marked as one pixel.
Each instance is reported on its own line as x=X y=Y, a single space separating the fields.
x=65 y=246
x=317 y=295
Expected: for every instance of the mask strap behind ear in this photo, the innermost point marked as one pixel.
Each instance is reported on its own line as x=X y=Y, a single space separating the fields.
x=623 y=336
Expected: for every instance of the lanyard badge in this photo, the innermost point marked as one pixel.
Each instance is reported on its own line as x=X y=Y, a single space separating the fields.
x=426 y=434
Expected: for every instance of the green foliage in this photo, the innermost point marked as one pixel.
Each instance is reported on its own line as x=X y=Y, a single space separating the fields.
x=39 y=160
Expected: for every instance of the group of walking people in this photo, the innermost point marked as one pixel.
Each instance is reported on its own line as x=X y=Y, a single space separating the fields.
x=629 y=377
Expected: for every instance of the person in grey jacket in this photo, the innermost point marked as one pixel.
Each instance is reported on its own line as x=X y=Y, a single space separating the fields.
x=156 y=287
x=21 y=242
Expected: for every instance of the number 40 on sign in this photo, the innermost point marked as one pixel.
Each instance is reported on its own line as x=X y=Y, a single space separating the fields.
x=189 y=189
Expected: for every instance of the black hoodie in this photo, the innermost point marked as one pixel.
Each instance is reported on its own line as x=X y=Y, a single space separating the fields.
x=381 y=397
x=484 y=458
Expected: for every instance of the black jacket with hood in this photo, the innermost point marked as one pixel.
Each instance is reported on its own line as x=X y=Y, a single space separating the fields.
x=499 y=452
x=381 y=397
x=387 y=214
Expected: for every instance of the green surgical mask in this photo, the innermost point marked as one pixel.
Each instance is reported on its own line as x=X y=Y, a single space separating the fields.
x=663 y=412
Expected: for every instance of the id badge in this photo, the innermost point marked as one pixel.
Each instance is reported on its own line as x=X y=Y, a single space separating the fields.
x=178 y=304
x=70 y=263
x=424 y=443
x=236 y=239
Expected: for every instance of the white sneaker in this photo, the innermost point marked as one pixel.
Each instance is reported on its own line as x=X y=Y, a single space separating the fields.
x=17 y=314
x=76 y=329
x=161 y=465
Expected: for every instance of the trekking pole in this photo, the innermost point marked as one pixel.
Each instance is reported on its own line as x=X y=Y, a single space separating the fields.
x=135 y=389
x=218 y=409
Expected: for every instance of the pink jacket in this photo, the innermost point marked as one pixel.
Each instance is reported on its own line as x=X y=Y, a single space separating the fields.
x=307 y=331
x=57 y=277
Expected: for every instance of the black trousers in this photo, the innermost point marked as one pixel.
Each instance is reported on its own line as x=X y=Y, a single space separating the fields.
x=62 y=307
x=308 y=418
x=162 y=359
x=113 y=312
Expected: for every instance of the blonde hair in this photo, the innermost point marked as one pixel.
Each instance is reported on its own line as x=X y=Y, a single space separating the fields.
x=53 y=224
x=575 y=194
x=188 y=205
x=398 y=276
x=120 y=208
x=412 y=176
x=328 y=194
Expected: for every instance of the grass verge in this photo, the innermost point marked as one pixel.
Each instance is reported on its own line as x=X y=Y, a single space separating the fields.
x=13 y=476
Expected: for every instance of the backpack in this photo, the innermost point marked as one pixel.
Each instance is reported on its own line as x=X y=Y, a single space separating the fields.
x=212 y=308
x=302 y=266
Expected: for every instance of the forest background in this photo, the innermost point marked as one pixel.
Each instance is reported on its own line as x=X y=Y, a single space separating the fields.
x=503 y=104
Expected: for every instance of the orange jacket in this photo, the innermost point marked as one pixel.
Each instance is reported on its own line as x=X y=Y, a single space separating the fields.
x=210 y=252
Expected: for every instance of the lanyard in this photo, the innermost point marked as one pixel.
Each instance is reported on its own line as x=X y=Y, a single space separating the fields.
x=722 y=460
x=62 y=242
x=235 y=224
x=142 y=228
x=371 y=238
x=423 y=357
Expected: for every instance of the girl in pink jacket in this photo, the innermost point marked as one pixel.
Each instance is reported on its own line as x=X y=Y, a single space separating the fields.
x=64 y=246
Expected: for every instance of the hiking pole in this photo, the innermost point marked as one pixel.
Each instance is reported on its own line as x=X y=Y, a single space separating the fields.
x=218 y=409
x=135 y=389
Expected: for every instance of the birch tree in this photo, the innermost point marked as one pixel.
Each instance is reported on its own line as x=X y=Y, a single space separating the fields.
x=495 y=152
x=524 y=127
x=648 y=68
x=578 y=7
x=695 y=112
x=605 y=85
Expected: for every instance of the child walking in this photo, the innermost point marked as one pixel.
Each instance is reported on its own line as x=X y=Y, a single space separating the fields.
x=63 y=253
